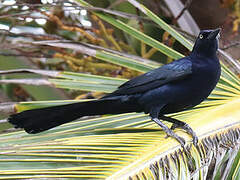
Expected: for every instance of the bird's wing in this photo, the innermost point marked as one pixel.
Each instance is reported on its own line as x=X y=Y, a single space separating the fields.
x=176 y=70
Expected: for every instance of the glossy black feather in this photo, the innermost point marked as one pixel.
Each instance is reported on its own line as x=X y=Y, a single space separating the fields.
x=171 y=72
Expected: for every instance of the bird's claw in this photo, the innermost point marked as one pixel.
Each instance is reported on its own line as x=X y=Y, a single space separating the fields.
x=170 y=133
x=189 y=130
x=195 y=140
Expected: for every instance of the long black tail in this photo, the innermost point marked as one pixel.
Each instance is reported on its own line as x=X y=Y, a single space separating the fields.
x=38 y=120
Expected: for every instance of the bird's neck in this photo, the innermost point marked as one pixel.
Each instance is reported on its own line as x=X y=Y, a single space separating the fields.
x=201 y=53
x=207 y=50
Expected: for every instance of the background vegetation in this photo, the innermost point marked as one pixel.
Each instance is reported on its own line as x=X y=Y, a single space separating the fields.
x=55 y=52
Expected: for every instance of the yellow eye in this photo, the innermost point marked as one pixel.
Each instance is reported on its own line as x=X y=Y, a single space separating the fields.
x=201 y=36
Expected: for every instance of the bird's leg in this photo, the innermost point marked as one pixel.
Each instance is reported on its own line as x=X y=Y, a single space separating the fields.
x=169 y=132
x=182 y=125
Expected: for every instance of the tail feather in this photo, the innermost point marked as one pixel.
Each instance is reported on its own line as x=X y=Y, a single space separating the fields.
x=38 y=120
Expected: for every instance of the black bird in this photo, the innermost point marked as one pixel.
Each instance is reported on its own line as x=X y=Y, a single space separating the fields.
x=174 y=87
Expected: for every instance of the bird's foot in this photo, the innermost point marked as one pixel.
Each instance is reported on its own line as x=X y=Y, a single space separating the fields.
x=169 y=132
x=188 y=129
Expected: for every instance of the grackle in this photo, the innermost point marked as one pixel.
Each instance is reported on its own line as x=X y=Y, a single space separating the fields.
x=174 y=87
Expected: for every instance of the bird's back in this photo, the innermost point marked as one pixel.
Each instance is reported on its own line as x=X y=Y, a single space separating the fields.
x=187 y=92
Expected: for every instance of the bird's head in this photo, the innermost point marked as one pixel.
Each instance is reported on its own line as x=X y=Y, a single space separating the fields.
x=206 y=43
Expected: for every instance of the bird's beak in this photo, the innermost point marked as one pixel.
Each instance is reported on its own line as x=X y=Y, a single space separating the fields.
x=214 y=34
